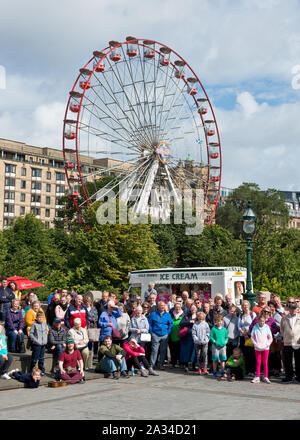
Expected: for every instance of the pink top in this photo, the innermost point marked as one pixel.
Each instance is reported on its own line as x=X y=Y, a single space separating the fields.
x=132 y=351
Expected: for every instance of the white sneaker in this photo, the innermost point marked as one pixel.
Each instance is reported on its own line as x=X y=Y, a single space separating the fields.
x=266 y=380
x=5 y=376
x=255 y=380
x=12 y=371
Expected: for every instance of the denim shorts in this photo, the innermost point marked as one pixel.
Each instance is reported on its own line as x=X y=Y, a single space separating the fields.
x=218 y=353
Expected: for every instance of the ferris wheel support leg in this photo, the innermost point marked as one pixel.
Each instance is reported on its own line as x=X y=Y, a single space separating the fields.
x=141 y=206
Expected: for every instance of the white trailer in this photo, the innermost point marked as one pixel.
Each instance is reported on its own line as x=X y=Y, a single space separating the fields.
x=207 y=281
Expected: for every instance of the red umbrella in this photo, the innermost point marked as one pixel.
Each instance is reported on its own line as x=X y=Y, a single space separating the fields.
x=23 y=283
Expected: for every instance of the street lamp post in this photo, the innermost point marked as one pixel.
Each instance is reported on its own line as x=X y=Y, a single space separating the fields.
x=249 y=220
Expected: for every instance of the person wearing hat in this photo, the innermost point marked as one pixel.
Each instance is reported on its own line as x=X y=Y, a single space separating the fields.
x=56 y=341
x=290 y=331
x=70 y=363
x=81 y=339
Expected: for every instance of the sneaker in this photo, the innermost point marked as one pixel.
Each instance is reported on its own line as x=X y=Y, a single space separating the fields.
x=115 y=375
x=255 y=380
x=286 y=380
x=233 y=377
x=215 y=374
x=10 y=373
x=124 y=374
x=266 y=380
x=5 y=376
x=143 y=373
x=205 y=371
x=152 y=372
x=199 y=371
x=224 y=376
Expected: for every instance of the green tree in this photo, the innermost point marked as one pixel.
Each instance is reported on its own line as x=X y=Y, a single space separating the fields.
x=269 y=207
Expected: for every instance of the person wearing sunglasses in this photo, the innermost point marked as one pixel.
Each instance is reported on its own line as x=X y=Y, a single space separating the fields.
x=290 y=330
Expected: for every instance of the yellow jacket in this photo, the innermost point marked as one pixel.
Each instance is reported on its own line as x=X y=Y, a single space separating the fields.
x=30 y=318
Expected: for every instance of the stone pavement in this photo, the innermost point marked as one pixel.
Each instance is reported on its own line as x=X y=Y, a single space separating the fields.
x=171 y=396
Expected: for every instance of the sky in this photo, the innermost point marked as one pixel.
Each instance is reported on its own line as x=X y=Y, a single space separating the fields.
x=245 y=52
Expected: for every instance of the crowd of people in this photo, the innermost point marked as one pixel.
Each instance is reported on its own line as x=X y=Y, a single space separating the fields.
x=130 y=335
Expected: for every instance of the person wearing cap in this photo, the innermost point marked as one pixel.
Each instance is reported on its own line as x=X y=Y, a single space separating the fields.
x=70 y=363
x=108 y=320
x=290 y=331
x=81 y=339
x=56 y=341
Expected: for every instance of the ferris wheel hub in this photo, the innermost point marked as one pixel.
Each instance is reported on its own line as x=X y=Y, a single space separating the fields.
x=163 y=152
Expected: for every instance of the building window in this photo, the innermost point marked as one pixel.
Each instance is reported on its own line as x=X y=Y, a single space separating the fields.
x=60 y=176
x=47 y=225
x=47 y=200
x=36 y=172
x=36 y=185
x=9 y=195
x=10 y=181
x=9 y=208
x=22 y=210
x=60 y=188
x=48 y=187
x=35 y=198
x=48 y=175
x=23 y=184
x=9 y=168
x=23 y=171
x=35 y=211
x=47 y=212
x=22 y=197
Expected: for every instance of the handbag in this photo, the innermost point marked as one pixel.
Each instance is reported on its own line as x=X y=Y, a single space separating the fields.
x=249 y=342
x=183 y=331
x=94 y=333
x=145 y=337
x=114 y=332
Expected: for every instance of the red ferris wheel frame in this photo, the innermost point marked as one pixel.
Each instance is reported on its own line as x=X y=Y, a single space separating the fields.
x=142 y=43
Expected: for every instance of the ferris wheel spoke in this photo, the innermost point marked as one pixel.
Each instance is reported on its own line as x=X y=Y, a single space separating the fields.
x=141 y=205
x=117 y=121
x=129 y=103
x=149 y=121
x=131 y=122
x=131 y=128
x=101 y=193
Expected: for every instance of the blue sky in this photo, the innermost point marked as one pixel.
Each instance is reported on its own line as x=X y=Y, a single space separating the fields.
x=242 y=51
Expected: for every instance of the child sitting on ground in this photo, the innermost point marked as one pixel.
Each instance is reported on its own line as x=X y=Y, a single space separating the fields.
x=219 y=339
x=235 y=364
x=31 y=380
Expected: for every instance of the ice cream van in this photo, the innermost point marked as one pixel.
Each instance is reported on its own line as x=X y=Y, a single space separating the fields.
x=207 y=281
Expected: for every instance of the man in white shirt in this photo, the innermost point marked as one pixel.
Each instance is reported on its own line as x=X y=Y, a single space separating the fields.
x=290 y=331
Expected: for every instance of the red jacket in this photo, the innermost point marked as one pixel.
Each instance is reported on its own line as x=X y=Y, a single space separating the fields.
x=132 y=351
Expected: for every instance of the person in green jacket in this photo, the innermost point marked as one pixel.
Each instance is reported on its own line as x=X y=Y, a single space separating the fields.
x=174 y=340
x=236 y=368
x=219 y=339
x=111 y=356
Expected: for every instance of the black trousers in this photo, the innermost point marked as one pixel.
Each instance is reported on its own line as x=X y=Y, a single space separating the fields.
x=4 y=365
x=289 y=353
x=136 y=360
x=174 y=347
x=237 y=371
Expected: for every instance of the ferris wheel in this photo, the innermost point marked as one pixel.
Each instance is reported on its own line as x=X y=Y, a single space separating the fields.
x=138 y=113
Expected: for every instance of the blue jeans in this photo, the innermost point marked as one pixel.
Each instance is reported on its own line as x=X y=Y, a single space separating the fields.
x=159 y=343
x=3 y=310
x=108 y=365
x=12 y=337
x=38 y=354
x=57 y=351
